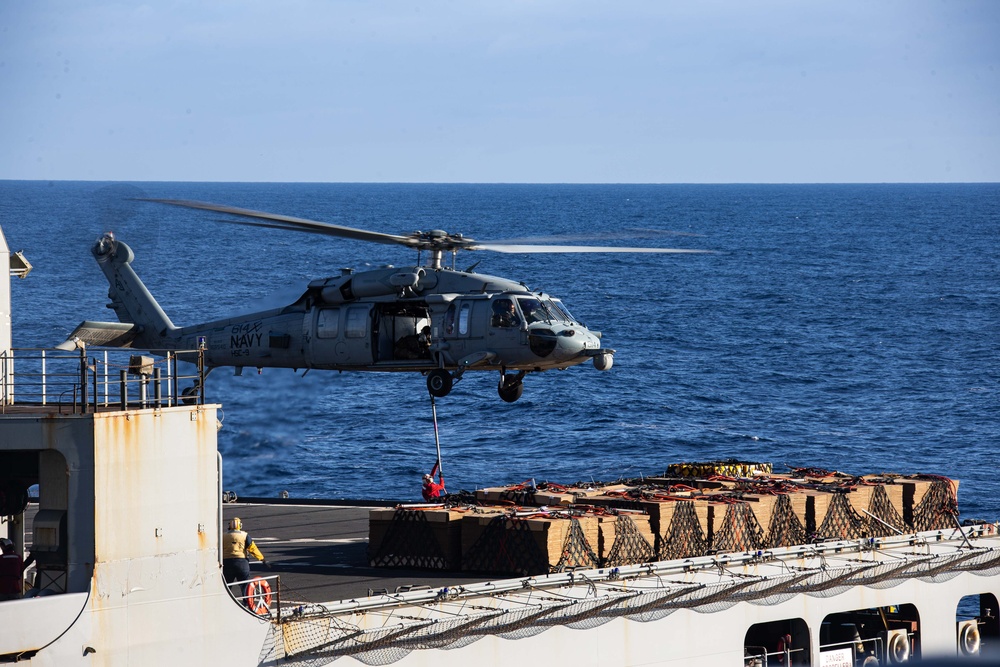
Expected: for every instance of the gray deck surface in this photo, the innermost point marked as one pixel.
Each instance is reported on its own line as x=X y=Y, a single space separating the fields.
x=320 y=553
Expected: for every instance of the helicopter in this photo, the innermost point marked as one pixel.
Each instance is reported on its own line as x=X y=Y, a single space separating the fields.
x=426 y=318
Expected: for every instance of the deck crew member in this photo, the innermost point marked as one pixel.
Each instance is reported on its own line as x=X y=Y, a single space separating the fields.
x=11 y=567
x=237 y=547
x=433 y=491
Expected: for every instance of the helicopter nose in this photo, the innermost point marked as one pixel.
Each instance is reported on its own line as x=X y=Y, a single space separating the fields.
x=575 y=341
x=564 y=343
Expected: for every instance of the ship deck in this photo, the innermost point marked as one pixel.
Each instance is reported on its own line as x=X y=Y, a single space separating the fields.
x=318 y=550
x=320 y=553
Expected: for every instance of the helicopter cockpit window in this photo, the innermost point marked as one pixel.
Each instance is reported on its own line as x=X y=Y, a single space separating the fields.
x=504 y=313
x=533 y=310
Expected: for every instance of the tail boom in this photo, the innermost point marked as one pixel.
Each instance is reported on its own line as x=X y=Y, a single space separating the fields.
x=131 y=301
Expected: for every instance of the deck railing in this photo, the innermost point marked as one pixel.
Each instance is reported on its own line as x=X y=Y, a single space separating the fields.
x=255 y=594
x=98 y=379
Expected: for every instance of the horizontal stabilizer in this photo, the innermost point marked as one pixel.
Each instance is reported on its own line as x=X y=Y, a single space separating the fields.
x=102 y=334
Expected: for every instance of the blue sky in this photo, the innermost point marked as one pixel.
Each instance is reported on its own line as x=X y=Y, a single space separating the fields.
x=715 y=91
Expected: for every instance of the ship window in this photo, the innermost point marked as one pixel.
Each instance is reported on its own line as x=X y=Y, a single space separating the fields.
x=328 y=323
x=777 y=643
x=463 y=319
x=978 y=626
x=888 y=635
x=357 y=322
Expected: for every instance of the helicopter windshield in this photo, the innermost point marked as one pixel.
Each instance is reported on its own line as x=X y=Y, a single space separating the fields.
x=533 y=309
x=559 y=310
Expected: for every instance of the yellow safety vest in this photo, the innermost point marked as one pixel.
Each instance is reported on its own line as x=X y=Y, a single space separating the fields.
x=234 y=544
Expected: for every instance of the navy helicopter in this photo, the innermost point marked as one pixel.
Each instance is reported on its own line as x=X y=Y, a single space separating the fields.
x=427 y=318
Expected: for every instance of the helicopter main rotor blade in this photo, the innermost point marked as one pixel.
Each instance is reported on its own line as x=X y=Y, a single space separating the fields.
x=436 y=241
x=291 y=223
x=527 y=248
x=624 y=235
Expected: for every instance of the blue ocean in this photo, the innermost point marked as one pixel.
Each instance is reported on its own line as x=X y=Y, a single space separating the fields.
x=847 y=327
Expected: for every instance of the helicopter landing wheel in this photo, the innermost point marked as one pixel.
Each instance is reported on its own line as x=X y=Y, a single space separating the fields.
x=510 y=389
x=439 y=383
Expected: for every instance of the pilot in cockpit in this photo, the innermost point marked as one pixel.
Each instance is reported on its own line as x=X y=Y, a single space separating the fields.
x=504 y=314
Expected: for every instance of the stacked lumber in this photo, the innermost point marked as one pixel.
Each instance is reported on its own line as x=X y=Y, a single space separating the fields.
x=423 y=537
x=625 y=538
x=524 y=529
x=528 y=545
x=930 y=502
x=527 y=494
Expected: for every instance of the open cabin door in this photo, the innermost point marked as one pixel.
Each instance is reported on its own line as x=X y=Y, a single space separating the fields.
x=403 y=333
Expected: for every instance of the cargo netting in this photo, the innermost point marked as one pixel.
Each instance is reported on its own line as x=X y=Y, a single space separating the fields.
x=519 y=495
x=938 y=509
x=882 y=518
x=409 y=542
x=629 y=547
x=685 y=537
x=842 y=522
x=740 y=530
x=506 y=547
x=785 y=529
x=576 y=551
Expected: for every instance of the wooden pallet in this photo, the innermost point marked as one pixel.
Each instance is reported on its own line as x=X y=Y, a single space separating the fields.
x=609 y=534
x=532 y=545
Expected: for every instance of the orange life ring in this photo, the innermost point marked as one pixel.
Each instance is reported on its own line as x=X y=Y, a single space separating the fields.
x=258 y=596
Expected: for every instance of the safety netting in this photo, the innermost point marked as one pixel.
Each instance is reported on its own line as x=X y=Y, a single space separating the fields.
x=382 y=633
